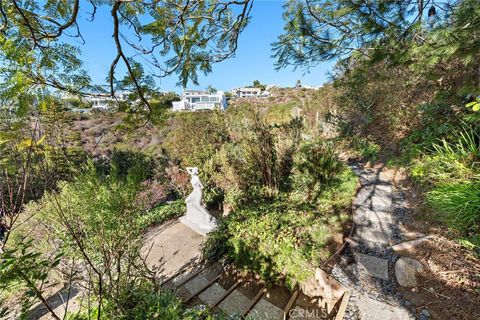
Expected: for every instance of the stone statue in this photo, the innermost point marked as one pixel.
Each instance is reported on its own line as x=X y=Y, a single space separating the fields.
x=197 y=217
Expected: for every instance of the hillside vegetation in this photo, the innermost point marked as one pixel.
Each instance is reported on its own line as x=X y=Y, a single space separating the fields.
x=77 y=192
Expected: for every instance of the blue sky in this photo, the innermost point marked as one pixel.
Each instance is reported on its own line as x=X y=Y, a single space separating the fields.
x=252 y=60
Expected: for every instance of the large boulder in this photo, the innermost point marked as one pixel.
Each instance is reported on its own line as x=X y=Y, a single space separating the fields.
x=406 y=271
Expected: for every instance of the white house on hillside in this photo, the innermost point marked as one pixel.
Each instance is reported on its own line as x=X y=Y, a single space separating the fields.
x=101 y=102
x=193 y=100
x=250 y=93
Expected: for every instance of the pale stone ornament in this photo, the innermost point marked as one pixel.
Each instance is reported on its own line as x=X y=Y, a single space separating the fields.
x=197 y=217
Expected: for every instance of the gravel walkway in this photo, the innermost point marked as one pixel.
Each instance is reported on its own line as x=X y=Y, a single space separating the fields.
x=368 y=264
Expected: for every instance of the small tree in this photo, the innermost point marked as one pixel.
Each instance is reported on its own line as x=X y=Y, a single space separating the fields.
x=257 y=84
x=210 y=89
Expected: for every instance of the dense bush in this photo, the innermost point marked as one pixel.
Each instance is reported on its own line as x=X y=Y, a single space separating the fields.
x=287 y=238
x=193 y=139
x=147 y=302
x=161 y=213
x=94 y=222
x=246 y=166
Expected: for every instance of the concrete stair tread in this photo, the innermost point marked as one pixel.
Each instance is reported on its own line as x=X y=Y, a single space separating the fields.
x=362 y=214
x=196 y=284
x=371 y=309
x=265 y=310
x=212 y=294
x=234 y=303
x=185 y=276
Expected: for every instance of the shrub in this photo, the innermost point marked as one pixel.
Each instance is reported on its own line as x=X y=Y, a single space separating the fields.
x=283 y=239
x=193 y=139
x=144 y=301
x=367 y=149
x=161 y=213
x=314 y=166
x=245 y=167
x=97 y=222
x=449 y=162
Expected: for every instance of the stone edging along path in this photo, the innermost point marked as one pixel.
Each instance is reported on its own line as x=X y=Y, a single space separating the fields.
x=370 y=267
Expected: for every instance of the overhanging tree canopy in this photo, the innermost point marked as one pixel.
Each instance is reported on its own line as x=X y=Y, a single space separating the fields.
x=179 y=37
x=320 y=30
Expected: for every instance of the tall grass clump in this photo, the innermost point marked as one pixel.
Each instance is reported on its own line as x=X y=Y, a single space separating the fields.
x=315 y=165
x=451 y=171
x=458 y=205
x=451 y=161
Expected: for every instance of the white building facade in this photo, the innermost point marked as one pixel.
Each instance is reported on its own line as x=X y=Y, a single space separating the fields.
x=193 y=100
x=98 y=101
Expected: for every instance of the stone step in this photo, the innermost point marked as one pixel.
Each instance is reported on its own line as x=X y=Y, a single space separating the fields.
x=265 y=310
x=371 y=179
x=212 y=294
x=375 y=203
x=371 y=309
x=362 y=215
x=186 y=276
x=375 y=225
x=369 y=191
x=374 y=266
x=363 y=234
x=196 y=284
x=234 y=303
x=381 y=203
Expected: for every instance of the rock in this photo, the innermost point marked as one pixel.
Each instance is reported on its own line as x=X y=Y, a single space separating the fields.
x=227 y=208
x=411 y=235
x=353 y=244
x=426 y=313
x=406 y=271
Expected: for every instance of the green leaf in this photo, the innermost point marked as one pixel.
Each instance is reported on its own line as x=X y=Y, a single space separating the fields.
x=476 y=107
x=471 y=104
